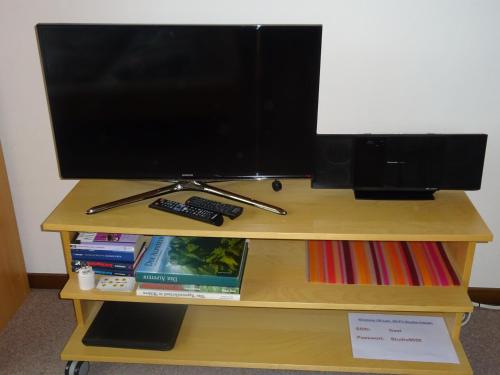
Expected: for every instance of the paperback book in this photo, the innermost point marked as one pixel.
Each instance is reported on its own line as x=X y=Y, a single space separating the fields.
x=193 y=260
x=192 y=288
x=103 y=264
x=186 y=294
x=108 y=241
x=94 y=260
x=106 y=255
x=108 y=271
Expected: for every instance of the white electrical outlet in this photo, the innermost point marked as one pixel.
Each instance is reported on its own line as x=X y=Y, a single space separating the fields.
x=116 y=283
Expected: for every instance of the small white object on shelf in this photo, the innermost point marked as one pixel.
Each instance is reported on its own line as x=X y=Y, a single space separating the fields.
x=86 y=278
x=116 y=283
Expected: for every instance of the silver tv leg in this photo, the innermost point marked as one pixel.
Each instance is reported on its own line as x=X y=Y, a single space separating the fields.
x=184 y=186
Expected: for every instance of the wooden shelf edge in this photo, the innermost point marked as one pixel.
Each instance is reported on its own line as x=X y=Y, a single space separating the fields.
x=243 y=344
x=219 y=232
x=71 y=291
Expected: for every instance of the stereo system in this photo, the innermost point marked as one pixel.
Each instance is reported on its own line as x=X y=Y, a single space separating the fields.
x=395 y=166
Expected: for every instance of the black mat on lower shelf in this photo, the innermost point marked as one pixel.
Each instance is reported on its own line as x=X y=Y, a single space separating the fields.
x=136 y=325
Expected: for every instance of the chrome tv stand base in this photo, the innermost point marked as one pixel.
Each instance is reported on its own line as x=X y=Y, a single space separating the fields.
x=186 y=186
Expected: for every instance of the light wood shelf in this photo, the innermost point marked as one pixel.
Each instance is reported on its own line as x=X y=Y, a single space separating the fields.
x=282 y=321
x=275 y=276
x=312 y=214
x=262 y=338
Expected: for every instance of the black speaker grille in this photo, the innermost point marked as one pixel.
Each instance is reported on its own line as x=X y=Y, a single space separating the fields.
x=333 y=162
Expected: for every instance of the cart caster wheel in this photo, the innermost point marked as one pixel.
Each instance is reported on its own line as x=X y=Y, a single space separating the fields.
x=76 y=368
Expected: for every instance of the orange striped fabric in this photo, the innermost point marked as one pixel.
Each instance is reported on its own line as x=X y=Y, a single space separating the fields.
x=314 y=263
x=380 y=263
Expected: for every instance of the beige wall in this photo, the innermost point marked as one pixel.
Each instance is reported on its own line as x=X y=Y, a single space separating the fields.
x=387 y=66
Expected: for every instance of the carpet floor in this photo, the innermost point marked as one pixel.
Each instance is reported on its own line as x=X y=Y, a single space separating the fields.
x=33 y=339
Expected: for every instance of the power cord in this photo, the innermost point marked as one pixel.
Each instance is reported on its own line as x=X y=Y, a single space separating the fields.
x=466 y=317
x=486 y=306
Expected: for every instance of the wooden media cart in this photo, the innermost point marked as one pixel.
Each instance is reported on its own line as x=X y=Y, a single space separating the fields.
x=282 y=321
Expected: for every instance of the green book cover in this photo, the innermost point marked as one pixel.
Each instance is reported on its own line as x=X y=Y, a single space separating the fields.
x=193 y=260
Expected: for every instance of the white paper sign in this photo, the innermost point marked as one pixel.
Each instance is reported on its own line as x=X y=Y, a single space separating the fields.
x=401 y=337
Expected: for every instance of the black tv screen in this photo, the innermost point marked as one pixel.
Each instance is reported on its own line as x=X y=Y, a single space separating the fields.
x=182 y=101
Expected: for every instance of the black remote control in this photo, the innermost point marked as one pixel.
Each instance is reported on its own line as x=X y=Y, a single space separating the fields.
x=222 y=208
x=195 y=213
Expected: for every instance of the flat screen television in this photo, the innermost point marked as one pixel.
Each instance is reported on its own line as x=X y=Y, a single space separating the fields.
x=177 y=102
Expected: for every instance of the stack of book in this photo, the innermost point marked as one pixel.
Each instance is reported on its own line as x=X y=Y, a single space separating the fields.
x=192 y=267
x=114 y=254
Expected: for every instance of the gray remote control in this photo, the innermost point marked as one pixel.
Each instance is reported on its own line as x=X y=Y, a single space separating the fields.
x=222 y=208
x=177 y=208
